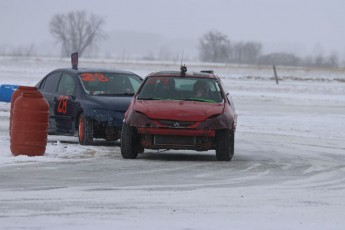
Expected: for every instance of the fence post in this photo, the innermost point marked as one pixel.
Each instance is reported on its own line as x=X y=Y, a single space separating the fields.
x=275 y=74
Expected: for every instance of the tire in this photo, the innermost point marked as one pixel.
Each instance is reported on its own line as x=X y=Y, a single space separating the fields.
x=225 y=145
x=130 y=146
x=85 y=130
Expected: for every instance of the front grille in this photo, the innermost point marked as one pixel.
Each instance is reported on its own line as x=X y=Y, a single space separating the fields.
x=176 y=124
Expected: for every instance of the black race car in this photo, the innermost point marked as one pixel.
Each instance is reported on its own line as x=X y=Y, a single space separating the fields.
x=89 y=103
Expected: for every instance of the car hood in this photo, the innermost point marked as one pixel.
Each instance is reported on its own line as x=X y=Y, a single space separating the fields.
x=109 y=102
x=178 y=110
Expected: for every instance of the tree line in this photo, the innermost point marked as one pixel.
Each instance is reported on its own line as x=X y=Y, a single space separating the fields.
x=78 y=31
x=215 y=46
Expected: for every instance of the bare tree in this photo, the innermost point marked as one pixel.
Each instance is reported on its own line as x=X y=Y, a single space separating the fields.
x=23 y=51
x=237 y=52
x=76 y=31
x=246 y=52
x=214 y=47
x=286 y=59
x=319 y=60
x=251 y=52
x=333 y=60
x=30 y=50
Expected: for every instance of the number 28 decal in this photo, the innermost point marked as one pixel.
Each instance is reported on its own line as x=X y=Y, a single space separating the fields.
x=94 y=77
x=62 y=104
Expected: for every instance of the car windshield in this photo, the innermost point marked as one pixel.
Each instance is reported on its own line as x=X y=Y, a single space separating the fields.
x=181 y=88
x=108 y=84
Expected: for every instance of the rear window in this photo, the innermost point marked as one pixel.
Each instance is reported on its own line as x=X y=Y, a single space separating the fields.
x=102 y=84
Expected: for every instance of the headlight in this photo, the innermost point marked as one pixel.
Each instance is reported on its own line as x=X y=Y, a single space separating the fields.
x=103 y=115
x=139 y=119
x=97 y=114
x=217 y=122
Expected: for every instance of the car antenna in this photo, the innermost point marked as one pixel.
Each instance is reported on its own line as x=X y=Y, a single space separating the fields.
x=74 y=60
x=183 y=67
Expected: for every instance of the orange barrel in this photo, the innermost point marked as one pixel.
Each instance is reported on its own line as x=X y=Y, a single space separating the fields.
x=29 y=130
x=15 y=95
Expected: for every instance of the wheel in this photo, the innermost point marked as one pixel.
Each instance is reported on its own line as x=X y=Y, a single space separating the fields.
x=225 y=145
x=85 y=133
x=130 y=146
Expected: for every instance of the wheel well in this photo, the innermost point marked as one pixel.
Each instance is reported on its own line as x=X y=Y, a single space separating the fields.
x=77 y=119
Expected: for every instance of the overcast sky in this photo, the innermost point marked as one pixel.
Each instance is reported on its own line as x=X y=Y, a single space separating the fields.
x=296 y=25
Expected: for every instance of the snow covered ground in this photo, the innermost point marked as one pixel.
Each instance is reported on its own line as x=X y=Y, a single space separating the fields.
x=288 y=171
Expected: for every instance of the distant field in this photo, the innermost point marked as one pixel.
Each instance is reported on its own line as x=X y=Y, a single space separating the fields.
x=34 y=68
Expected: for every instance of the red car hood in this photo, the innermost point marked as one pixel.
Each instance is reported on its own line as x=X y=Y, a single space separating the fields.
x=178 y=110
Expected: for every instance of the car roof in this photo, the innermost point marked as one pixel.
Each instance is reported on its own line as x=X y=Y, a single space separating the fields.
x=187 y=74
x=94 y=70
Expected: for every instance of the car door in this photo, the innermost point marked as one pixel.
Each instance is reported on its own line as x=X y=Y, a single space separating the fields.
x=64 y=104
x=48 y=88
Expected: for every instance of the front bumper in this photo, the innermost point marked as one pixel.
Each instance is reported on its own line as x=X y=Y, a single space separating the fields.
x=177 y=134
x=162 y=138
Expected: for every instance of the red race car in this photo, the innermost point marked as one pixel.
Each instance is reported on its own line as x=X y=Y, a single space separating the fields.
x=180 y=110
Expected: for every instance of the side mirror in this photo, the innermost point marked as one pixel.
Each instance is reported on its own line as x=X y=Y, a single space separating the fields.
x=72 y=97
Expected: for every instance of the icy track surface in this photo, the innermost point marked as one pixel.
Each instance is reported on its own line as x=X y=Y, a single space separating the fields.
x=288 y=171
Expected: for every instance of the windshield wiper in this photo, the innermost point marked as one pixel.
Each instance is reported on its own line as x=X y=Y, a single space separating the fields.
x=149 y=98
x=198 y=99
x=116 y=94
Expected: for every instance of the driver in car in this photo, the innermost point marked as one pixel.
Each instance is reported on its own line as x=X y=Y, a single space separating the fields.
x=201 y=89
